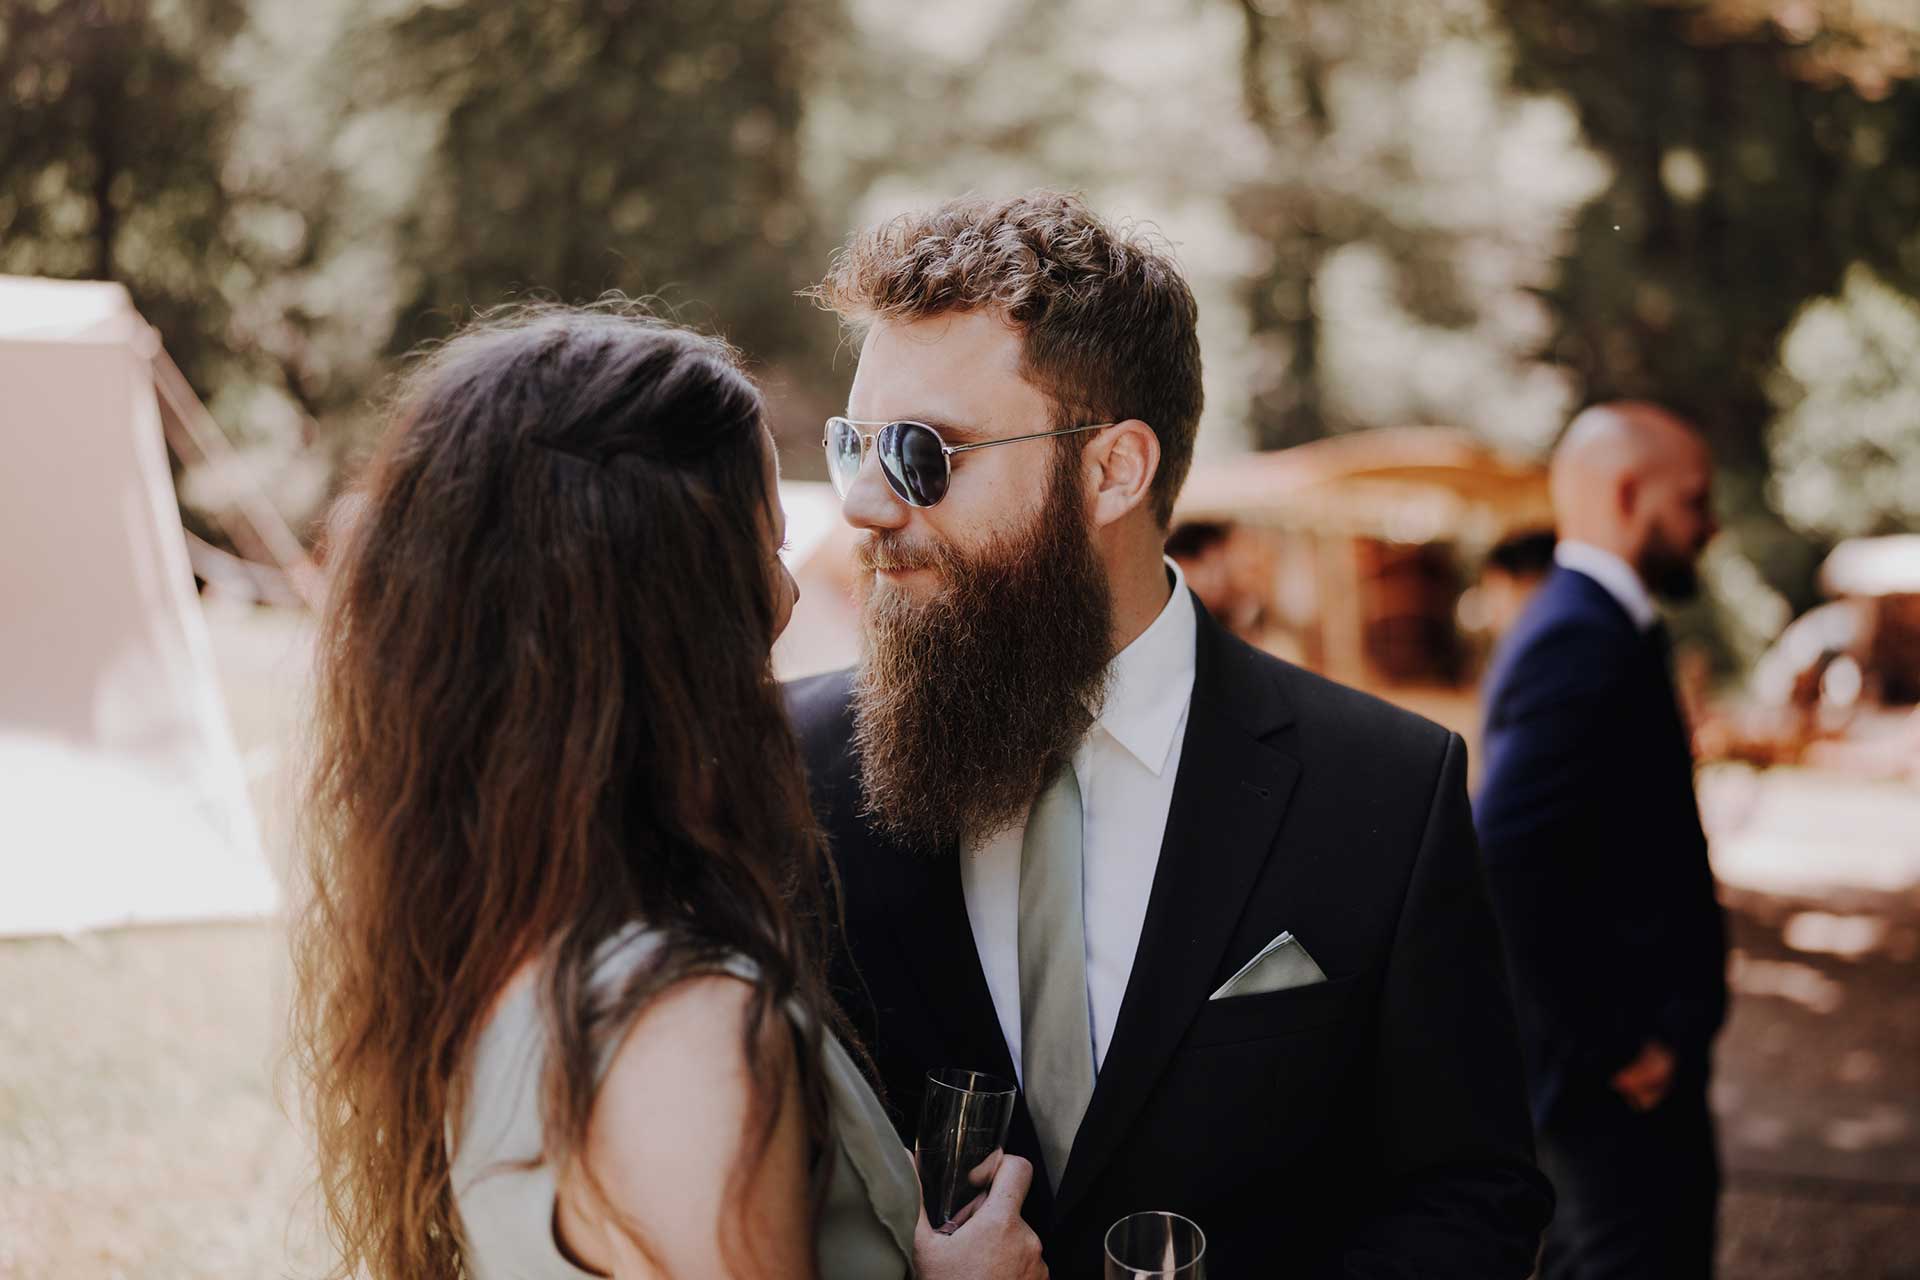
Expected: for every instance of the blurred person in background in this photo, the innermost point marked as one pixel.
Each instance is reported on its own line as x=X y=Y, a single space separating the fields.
x=1199 y=547
x=561 y=1003
x=1513 y=572
x=1221 y=564
x=1597 y=861
x=1223 y=920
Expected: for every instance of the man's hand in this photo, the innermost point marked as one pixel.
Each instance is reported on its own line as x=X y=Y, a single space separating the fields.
x=1644 y=1081
x=994 y=1244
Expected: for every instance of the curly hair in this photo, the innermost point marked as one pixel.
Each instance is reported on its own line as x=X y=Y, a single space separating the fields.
x=1108 y=323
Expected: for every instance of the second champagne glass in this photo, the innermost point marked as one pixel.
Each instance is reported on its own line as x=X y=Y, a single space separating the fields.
x=1156 y=1246
x=963 y=1128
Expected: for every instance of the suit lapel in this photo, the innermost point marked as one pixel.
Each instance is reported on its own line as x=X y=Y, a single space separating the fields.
x=928 y=913
x=1228 y=800
x=929 y=919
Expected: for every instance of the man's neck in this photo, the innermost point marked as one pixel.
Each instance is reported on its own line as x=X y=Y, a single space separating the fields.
x=1141 y=587
x=1616 y=576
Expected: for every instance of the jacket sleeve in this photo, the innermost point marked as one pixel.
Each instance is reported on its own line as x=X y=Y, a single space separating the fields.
x=1546 y=811
x=1464 y=1197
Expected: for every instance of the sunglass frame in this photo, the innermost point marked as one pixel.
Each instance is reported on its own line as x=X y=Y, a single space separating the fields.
x=868 y=440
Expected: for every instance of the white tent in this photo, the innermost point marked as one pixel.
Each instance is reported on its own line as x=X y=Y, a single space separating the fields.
x=121 y=794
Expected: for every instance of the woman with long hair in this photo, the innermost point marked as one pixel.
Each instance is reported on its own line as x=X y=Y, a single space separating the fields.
x=561 y=1008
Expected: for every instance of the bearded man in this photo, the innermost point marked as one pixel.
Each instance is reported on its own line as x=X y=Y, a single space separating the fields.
x=1597 y=861
x=1223 y=920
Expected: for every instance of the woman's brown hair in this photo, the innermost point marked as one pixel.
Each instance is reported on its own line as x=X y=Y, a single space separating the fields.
x=544 y=710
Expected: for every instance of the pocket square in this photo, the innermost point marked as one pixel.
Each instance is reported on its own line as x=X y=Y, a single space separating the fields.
x=1281 y=964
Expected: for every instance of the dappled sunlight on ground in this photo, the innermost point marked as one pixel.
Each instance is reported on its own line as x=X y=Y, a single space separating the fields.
x=1818 y=1088
x=1811 y=832
x=140 y=1134
x=1802 y=984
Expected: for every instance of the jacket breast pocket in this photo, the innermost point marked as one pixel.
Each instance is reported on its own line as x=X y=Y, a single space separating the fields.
x=1270 y=1014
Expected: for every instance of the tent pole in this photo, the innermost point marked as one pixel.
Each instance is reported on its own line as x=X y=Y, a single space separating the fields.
x=270 y=533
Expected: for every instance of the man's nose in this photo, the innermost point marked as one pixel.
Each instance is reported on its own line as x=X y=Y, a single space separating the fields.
x=871 y=502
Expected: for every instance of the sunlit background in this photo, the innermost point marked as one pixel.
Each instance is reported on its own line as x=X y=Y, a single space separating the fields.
x=1422 y=236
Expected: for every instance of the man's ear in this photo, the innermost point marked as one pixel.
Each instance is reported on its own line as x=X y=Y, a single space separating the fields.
x=1118 y=468
x=1626 y=497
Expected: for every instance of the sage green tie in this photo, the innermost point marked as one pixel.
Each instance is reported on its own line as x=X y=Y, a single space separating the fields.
x=1056 y=1031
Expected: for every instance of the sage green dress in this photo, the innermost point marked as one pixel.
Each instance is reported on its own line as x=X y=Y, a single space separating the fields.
x=507 y=1209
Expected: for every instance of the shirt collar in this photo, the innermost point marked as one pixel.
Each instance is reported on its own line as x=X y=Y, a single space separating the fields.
x=1613 y=574
x=1150 y=682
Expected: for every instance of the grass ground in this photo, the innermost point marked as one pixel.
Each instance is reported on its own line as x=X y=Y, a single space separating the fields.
x=1818 y=1094
x=141 y=1135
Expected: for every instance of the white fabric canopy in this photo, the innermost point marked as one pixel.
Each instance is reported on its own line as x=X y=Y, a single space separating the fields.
x=121 y=794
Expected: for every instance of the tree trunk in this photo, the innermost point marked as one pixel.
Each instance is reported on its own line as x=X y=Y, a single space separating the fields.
x=108 y=77
x=1281 y=300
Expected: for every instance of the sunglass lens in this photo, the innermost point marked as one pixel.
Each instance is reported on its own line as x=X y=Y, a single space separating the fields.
x=914 y=463
x=843 y=454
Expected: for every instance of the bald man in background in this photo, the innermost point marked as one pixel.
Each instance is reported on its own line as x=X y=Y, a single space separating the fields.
x=1597 y=862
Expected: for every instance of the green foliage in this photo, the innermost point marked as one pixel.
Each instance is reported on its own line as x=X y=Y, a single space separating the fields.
x=1739 y=190
x=1129 y=101
x=124 y=155
x=113 y=121
x=1757 y=152
x=1360 y=200
x=1410 y=201
x=586 y=145
x=1470 y=212
x=1846 y=446
x=296 y=193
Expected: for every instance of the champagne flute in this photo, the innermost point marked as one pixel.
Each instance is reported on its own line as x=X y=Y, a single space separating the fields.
x=1156 y=1246
x=963 y=1129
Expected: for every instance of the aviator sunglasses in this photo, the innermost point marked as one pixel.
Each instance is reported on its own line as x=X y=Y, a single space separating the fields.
x=917 y=463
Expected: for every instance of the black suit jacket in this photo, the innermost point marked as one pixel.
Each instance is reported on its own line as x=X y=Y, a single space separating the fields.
x=1372 y=1125
x=1594 y=851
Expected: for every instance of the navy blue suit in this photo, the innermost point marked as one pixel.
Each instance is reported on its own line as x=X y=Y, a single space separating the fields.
x=1597 y=866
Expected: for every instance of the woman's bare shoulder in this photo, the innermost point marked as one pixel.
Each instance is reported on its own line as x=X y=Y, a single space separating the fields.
x=669 y=1122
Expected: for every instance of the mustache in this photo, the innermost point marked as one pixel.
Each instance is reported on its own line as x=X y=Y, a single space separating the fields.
x=889 y=552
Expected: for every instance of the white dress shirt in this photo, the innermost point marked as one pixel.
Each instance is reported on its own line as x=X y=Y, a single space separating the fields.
x=1126 y=767
x=1615 y=576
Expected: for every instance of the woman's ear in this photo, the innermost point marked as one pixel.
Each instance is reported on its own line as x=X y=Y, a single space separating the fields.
x=1118 y=468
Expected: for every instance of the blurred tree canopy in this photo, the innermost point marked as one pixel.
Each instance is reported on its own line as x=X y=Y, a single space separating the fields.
x=1748 y=175
x=114 y=138
x=1410 y=201
x=1759 y=151
x=586 y=145
x=1363 y=204
x=1472 y=212
x=1845 y=449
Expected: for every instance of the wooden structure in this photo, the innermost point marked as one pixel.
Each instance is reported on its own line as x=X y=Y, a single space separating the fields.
x=1883 y=576
x=1353 y=554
